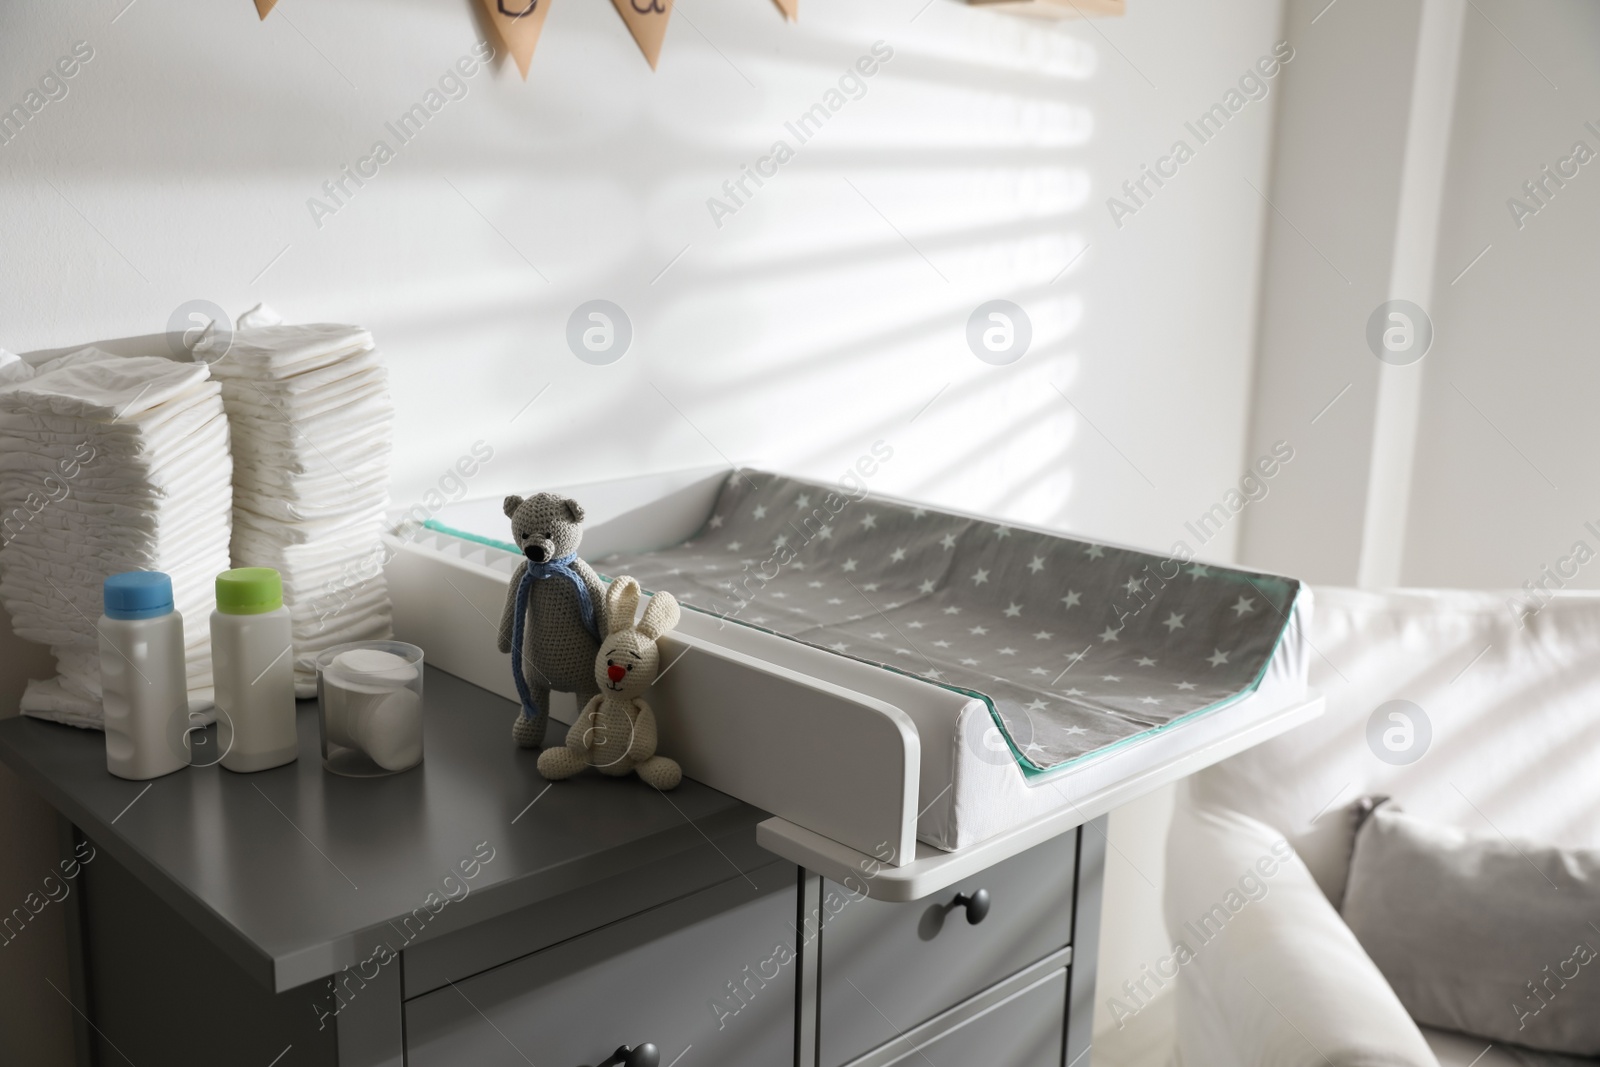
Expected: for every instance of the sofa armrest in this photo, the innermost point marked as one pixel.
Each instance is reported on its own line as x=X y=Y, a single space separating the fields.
x=1268 y=974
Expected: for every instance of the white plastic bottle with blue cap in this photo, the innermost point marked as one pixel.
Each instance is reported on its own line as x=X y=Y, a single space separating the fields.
x=143 y=677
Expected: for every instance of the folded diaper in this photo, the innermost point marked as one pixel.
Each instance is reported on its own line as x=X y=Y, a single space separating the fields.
x=109 y=464
x=312 y=432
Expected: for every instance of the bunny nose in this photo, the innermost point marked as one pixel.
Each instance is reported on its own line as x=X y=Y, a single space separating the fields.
x=615 y=673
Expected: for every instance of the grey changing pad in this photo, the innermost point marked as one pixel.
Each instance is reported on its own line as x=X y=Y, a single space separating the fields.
x=1074 y=646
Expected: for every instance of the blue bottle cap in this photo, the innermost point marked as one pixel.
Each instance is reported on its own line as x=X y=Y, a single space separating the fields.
x=138 y=595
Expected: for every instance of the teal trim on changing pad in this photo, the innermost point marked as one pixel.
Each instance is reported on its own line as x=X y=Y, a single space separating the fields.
x=438 y=527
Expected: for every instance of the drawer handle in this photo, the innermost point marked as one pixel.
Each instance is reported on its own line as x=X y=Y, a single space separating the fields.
x=977 y=905
x=645 y=1055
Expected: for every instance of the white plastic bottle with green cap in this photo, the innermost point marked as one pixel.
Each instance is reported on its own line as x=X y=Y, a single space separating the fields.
x=143 y=680
x=252 y=661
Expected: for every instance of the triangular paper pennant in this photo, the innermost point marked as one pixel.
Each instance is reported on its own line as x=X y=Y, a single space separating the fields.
x=518 y=22
x=647 y=21
x=264 y=7
x=790 y=9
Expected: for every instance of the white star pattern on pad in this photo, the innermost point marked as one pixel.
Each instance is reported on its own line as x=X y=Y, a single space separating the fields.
x=1108 y=635
x=870 y=587
x=1111 y=677
x=897 y=555
x=979 y=630
x=1132 y=585
x=1043 y=635
x=878 y=635
x=869 y=522
x=980 y=577
x=913 y=625
x=835 y=600
x=969 y=662
x=1074 y=693
x=1218 y=658
x=1075 y=730
x=802 y=501
x=1037 y=705
x=1002 y=531
x=952 y=611
x=917 y=513
x=1244 y=607
x=780 y=540
x=760 y=512
x=1174 y=622
x=1036 y=564
x=825 y=533
x=941 y=644
x=1199 y=570
x=1149 y=700
x=1072 y=599
x=838 y=646
x=948 y=541
x=716 y=522
x=734 y=546
x=1013 y=610
x=814 y=585
x=1145 y=661
x=1038 y=670
x=926 y=587
x=1094 y=552
x=1184 y=685
x=848 y=565
x=1008 y=651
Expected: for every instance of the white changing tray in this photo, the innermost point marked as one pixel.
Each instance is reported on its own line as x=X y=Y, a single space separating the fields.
x=865 y=770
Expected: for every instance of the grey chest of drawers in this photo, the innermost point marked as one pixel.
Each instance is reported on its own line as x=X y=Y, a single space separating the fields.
x=468 y=913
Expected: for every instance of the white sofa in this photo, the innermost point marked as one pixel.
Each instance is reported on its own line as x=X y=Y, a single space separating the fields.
x=1515 y=750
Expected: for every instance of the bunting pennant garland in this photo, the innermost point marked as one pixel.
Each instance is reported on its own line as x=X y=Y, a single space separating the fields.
x=647 y=21
x=264 y=7
x=790 y=9
x=518 y=23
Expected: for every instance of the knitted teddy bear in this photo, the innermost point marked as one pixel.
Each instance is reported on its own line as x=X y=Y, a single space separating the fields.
x=616 y=732
x=554 y=614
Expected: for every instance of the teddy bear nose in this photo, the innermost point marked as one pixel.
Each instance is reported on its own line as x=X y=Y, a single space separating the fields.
x=615 y=673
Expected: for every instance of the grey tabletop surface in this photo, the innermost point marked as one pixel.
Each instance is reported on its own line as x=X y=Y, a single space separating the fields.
x=292 y=870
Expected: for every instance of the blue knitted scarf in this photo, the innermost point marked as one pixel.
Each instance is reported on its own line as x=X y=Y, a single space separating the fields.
x=562 y=567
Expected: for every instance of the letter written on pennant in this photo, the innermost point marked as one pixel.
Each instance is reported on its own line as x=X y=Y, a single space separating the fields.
x=647 y=21
x=264 y=7
x=790 y=9
x=518 y=23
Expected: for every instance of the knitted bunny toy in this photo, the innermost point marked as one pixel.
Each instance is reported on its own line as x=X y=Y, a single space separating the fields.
x=616 y=731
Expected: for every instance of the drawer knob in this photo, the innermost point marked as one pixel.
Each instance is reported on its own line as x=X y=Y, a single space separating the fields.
x=645 y=1055
x=977 y=905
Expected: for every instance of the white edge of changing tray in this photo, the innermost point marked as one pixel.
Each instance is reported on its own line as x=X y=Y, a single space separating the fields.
x=934 y=870
x=842 y=762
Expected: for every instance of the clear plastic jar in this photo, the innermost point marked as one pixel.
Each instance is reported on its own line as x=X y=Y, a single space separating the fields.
x=369 y=696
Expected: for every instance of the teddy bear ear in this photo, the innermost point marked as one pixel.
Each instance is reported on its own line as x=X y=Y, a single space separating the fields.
x=510 y=505
x=574 y=509
x=660 y=615
x=622 y=603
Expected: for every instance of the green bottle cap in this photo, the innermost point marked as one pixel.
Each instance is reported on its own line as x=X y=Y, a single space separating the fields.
x=249 y=591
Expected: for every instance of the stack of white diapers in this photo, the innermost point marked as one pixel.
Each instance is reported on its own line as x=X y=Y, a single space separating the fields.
x=108 y=464
x=313 y=429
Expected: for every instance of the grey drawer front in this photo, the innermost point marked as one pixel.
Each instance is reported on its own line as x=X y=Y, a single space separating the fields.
x=1028 y=1030
x=658 y=976
x=888 y=967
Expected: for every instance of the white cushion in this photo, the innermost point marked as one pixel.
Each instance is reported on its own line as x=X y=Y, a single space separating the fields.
x=1513 y=710
x=1275 y=978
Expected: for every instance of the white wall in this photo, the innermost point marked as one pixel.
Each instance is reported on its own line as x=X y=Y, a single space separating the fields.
x=1501 y=481
x=827 y=313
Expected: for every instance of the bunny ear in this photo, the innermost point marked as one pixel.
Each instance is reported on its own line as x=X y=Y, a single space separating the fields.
x=660 y=615
x=622 y=603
